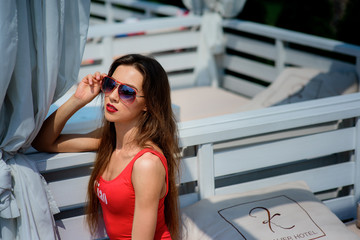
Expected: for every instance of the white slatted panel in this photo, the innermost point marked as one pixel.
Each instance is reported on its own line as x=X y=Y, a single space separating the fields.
x=343 y=207
x=93 y=51
x=177 y=62
x=189 y=170
x=357 y=160
x=156 y=42
x=242 y=86
x=251 y=123
x=98 y=9
x=251 y=46
x=318 y=179
x=250 y=68
x=292 y=36
x=76 y=228
x=51 y=162
x=69 y=192
x=142 y=9
x=281 y=152
x=73 y=228
x=181 y=80
x=304 y=59
x=188 y=199
x=118 y=14
x=121 y=14
x=91 y=69
x=206 y=180
x=150 y=25
x=149 y=6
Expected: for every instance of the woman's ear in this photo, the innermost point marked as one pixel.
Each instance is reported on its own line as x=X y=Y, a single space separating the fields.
x=145 y=109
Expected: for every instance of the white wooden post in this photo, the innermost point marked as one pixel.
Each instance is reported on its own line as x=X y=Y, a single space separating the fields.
x=109 y=10
x=357 y=162
x=107 y=53
x=148 y=13
x=358 y=67
x=280 y=59
x=206 y=182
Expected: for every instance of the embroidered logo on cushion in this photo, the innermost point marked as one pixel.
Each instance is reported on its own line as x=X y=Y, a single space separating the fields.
x=275 y=218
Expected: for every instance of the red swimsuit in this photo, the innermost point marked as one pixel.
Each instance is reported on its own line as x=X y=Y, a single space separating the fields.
x=117 y=198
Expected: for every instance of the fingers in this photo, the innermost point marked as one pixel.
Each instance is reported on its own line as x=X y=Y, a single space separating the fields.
x=93 y=79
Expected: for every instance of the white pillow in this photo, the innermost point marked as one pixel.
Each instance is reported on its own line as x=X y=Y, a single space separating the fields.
x=285 y=212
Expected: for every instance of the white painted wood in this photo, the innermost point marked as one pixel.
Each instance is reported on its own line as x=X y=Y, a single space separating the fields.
x=283 y=152
x=292 y=36
x=148 y=9
x=46 y=162
x=285 y=55
x=73 y=228
x=107 y=48
x=122 y=14
x=343 y=207
x=206 y=180
x=242 y=86
x=150 y=6
x=177 y=62
x=92 y=69
x=109 y=13
x=251 y=68
x=250 y=46
x=357 y=161
x=151 y=43
x=188 y=199
x=148 y=25
x=69 y=192
x=76 y=228
x=268 y=120
x=304 y=59
x=318 y=179
x=189 y=169
x=92 y=51
x=281 y=56
x=181 y=80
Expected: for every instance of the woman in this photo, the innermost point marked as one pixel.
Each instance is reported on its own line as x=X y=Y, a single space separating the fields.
x=134 y=175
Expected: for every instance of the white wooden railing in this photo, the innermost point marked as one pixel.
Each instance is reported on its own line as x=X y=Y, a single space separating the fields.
x=110 y=11
x=260 y=52
x=326 y=161
x=213 y=162
x=172 y=40
x=255 y=53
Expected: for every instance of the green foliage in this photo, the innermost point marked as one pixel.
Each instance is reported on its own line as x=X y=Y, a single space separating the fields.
x=349 y=24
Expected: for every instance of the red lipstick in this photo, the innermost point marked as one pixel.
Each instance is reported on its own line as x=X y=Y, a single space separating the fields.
x=111 y=108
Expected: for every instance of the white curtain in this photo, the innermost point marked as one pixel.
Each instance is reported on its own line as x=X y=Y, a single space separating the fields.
x=41 y=46
x=211 y=44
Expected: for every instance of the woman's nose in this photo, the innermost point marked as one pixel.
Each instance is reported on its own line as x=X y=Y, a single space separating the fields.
x=114 y=95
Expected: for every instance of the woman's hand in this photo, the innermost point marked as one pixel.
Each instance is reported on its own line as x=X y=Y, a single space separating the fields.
x=89 y=87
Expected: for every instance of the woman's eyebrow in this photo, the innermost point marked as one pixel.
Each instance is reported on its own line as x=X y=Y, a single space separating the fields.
x=130 y=85
x=127 y=84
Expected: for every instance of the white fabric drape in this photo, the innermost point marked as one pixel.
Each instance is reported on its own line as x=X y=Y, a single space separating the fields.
x=211 y=44
x=41 y=44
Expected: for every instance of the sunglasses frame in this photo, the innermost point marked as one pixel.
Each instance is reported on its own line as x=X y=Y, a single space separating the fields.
x=117 y=85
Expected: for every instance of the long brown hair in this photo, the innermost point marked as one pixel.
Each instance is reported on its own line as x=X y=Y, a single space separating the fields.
x=156 y=125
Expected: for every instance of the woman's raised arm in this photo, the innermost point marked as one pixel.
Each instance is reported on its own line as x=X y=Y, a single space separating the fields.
x=50 y=139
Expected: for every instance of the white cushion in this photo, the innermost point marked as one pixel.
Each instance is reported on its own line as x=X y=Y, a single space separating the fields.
x=284 y=212
x=202 y=102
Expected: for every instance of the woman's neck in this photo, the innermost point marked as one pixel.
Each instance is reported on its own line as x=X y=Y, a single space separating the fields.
x=125 y=135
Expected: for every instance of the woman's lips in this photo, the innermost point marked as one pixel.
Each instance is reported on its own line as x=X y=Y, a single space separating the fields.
x=111 y=108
